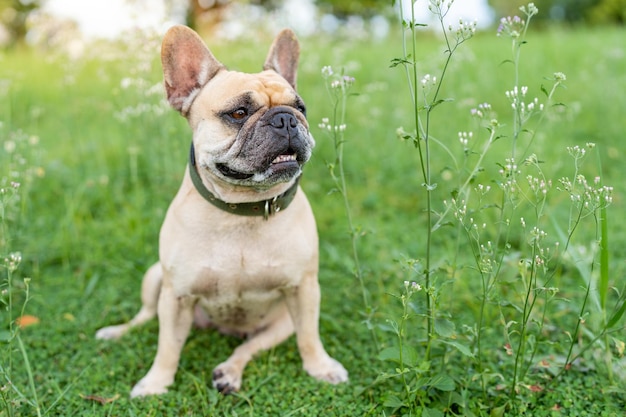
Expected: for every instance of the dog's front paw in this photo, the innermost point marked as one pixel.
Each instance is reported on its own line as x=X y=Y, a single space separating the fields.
x=111 y=332
x=150 y=385
x=226 y=379
x=328 y=370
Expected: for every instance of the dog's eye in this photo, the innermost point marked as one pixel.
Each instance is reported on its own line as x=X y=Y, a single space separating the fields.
x=239 y=114
x=301 y=108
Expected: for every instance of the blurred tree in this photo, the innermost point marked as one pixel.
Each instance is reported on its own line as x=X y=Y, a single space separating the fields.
x=13 y=14
x=205 y=12
x=202 y=15
x=343 y=8
x=608 y=11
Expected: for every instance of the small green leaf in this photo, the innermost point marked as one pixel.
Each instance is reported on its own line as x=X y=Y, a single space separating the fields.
x=431 y=412
x=444 y=327
x=498 y=411
x=442 y=382
x=393 y=402
x=617 y=316
x=408 y=357
x=390 y=354
x=5 y=335
x=460 y=347
x=386 y=328
x=398 y=61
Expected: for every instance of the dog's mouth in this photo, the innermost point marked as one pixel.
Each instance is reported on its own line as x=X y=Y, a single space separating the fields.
x=231 y=173
x=284 y=160
x=281 y=163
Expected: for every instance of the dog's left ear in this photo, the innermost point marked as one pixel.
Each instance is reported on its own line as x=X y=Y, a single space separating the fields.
x=283 y=56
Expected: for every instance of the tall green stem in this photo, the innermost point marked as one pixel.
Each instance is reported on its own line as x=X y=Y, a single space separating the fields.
x=339 y=99
x=422 y=139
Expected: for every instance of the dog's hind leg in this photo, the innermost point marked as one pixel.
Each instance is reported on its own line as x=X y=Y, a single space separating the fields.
x=227 y=375
x=150 y=289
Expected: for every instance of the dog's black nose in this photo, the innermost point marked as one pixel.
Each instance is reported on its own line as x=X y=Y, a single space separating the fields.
x=283 y=122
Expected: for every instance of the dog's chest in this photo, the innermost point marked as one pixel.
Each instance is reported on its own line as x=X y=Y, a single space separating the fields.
x=241 y=289
x=238 y=279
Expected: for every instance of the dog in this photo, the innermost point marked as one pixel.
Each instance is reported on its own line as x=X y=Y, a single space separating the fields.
x=238 y=249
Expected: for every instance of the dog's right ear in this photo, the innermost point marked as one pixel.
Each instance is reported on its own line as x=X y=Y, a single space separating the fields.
x=283 y=56
x=187 y=66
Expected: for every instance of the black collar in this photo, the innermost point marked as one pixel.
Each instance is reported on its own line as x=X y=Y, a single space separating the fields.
x=265 y=208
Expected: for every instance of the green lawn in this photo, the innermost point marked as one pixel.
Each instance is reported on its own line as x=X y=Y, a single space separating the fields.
x=110 y=155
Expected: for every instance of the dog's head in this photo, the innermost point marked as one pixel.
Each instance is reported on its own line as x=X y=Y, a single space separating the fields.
x=248 y=129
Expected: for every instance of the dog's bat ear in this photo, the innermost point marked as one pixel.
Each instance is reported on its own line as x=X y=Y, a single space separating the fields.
x=187 y=66
x=283 y=56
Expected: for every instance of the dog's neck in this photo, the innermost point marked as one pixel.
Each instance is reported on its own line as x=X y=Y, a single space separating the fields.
x=265 y=208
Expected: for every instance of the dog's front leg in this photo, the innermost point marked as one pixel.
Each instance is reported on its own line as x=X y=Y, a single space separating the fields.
x=175 y=319
x=303 y=302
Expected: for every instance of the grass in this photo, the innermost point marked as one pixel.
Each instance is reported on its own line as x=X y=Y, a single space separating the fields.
x=105 y=169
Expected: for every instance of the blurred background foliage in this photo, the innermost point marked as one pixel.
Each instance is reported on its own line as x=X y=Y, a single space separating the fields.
x=569 y=11
x=14 y=13
x=13 y=16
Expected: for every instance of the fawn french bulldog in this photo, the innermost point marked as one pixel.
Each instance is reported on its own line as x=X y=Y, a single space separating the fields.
x=238 y=249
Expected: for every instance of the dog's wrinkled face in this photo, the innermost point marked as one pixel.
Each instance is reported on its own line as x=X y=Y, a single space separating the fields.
x=249 y=129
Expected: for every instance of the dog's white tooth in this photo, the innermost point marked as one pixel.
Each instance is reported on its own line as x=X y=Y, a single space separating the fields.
x=284 y=158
